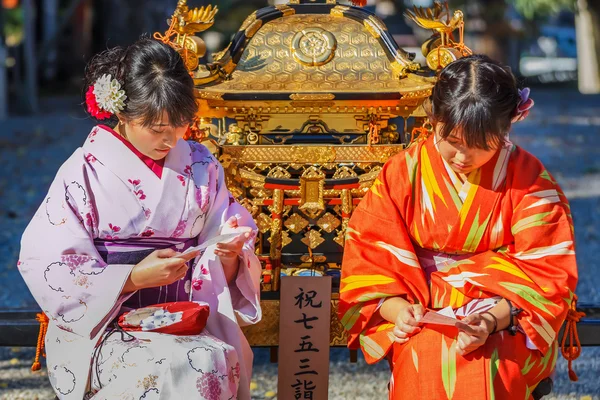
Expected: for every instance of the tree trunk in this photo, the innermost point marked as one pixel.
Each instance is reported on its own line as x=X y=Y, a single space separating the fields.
x=588 y=45
x=31 y=89
x=82 y=34
x=3 y=78
x=50 y=16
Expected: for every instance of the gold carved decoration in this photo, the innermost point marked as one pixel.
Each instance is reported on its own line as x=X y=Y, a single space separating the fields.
x=402 y=68
x=328 y=222
x=183 y=26
x=253 y=28
x=337 y=334
x=298 y=1
x=250 y=205
x=263 y=222
x=312 y=96
x=266 y=332
x=346 y=211
x=285 y=9
x=191 y=21
x=316 y=154
x=296 y=223
x=257 y=179
x=338 y=11
x=252 y=138
x=298 y=69
x=438 y=19
x=276 y=235
x=374 y=25
x=441 y=51
x=248 y=21
x=285 y=239
x=313 y=239
x=279 y=173
x=344 y=172
x=312 y=185
x=360 y=64
x=442 y=56
x=339 y=239
x=311 y=154
x=211 y=95
x=235 y=135
x=313 y=46
x=312 y=258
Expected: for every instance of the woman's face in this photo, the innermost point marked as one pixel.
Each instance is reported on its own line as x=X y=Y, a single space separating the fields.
x=154 y=141
x=461 y=158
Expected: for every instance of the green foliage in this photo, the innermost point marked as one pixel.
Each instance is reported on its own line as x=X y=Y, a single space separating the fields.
x=13 y=25
x=539 y=8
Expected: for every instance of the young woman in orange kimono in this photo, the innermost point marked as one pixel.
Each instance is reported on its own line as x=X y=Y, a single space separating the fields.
x=462 y=220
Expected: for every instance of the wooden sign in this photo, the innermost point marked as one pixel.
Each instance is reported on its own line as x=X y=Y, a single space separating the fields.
x=305 y=313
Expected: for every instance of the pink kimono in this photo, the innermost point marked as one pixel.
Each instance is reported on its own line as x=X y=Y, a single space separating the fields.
x=103 y=202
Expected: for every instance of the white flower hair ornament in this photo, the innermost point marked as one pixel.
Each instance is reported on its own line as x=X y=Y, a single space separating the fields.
x=105 y=97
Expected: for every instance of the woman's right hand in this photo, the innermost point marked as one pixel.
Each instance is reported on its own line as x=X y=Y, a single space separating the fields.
x=407 y=322
x=161 y=267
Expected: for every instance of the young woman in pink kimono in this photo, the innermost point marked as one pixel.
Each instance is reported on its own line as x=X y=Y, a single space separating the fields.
x=109 y=235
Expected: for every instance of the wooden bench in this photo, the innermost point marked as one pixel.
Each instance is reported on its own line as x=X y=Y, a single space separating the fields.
x=19 y=328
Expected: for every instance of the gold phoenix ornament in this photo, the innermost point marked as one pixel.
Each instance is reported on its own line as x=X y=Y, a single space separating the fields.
x=441 y=49
x=183 y=27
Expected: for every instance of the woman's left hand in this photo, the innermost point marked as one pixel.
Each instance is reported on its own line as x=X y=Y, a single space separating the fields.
x=474 y=334
x=230 y=251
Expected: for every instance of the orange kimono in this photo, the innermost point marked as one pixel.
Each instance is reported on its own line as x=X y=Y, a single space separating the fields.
x=423 y=234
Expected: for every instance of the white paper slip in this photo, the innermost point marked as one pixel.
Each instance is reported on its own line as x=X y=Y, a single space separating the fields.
x=437 y=319
x=217 y=239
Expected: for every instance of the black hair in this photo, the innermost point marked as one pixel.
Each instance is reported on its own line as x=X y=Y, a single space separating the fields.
x=154 y=79
x=478 y=96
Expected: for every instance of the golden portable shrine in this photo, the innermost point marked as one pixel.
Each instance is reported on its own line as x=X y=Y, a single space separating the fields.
x=302 y=109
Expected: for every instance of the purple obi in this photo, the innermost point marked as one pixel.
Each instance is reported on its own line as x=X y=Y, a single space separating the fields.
x=134 y=250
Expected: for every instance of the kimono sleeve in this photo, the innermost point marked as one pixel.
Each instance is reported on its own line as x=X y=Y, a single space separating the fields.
x=59 y=263
x=245 y=291
x=537 y=271
x=379 y=262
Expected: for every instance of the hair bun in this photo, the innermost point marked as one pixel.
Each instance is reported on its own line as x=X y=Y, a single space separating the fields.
x=150 y=75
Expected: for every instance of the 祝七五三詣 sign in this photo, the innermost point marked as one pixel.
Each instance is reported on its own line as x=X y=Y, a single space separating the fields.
x=305 y=315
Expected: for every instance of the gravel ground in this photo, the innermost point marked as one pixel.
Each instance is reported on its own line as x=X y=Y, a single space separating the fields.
x=563 y=130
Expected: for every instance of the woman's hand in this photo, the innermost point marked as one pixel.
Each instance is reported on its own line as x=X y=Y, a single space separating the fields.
x=474 y=333
x=230 y=251
x=407 y=322
x=161 y=267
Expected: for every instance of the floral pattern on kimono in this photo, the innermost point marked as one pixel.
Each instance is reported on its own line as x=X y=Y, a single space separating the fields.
x=133 y=369
x=92 y=199
x=505 y=232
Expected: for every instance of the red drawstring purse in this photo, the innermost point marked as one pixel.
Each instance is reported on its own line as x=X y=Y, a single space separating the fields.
x=177 y=318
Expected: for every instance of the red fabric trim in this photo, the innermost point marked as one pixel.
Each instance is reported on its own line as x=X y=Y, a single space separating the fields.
x=155 y=166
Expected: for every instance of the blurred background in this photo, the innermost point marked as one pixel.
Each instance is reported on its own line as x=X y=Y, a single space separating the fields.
x=553 y=46
x=47 y=42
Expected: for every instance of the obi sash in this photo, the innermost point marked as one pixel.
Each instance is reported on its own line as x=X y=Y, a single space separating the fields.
x=134 y=250
x=432 y=261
